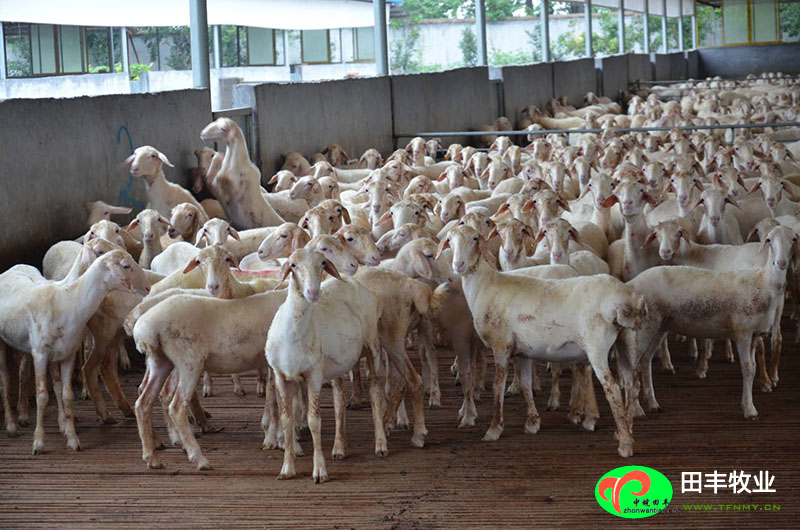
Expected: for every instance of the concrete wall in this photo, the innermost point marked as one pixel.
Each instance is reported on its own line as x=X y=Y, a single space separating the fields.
x=67 y=86
x=639 y=67
x=737 y=61
x=525 y=85
x=613 y=76
x=692 y=64
x=574 y=79
x=305 y=117
x=661 y=71
x=455 y=100
x=678 y=68
x=66 y=152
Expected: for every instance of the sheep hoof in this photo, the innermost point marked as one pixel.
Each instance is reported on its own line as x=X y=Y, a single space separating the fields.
x=337 y=455
x=285 y=476
x=466 y=422
x=589 y=424
x=154 y=464
x=204 y=465
x=750 y=413
x=766 y=386
x=532 y=426
x=553 y=406
x=321 y=478
x=353 y=405
x=492 y=434
x=774 y=379
x=38 y=447
x=418 y=440
x=574 y=417
x=239 y=392
x=75 y=445
x=109 y=420
x=160 y=445
x=382 y=451
x=625 y=450
x=22 y=421
x=12 y=431
x=128 y=412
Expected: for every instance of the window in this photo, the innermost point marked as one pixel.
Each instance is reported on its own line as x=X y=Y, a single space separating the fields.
x=70 y=49
x=764 y=18
x=734 y=21
x=260 y=46
x=18 y=49
x=750 y=21
x=315 y=46
x=364 y=45
x=98 y=49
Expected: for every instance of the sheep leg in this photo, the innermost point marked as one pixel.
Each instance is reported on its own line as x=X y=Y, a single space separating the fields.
x=647 y=381
x=40 y=371
x=664 y=356
x=208 y=387
x=314 y=385
x=501 y=356
x=108 y=369
x=776 y=347
x=287 y=390
x=5 y=380
x=428 y=355
x=591 y=412
x=761 y=364
x=201 y=416
x=67 y=366
x=123 y=361
x=395 y=390
x=514 y=389
x=532 y=419
x=693 y=353
x=261 y=382
x=480 y=369
x=339 y=441
x=555 y=390
x=377 y=382
x=537 y=383
x=702 y=359
x=465 y=357
x=414 y=384
x=165 y=397
x=269 y=421
x=238 y=389
x=23 y=407
x=357 y=394
x=179 y=410
x=90 y=369
x=576 y=395
x=55 y=377
x=747 y=362
x=729 y=351
x=599 y=361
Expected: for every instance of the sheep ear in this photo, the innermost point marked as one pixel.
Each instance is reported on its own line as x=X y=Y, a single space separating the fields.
x=649 y=239
x=788 y=190
x=573 y=233
x=421 y=265
x=442 y=177
x=300 y=239
x=191 y=266
x=233 y=233
x=325 y=151
x=538 y=238
x=234 y=262
x=200 y=235
x=133 y=224
x=119 y=210
x=564 y=204
x=362 y=161
x=752 y=235
x=273 y=180
x=492 y=234
x=128 y=161
x=345 y=214
x=698 y=203
x=755 y=188
x=732 y=202
x=647 y=198
x=164 y=159
x=303 y=221
x=443 y=244
x=385 y=218
x=330 y=268
x=286 y=268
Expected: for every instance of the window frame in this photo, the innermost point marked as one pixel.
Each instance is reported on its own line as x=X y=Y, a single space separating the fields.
x=355 y=46
x=274 y=51
x=327 y=48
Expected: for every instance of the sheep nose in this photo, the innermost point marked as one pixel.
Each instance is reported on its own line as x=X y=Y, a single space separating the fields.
x=214 y=287
x=782 y=264
x=666 y=254
x=312 y=295
x=376 y=207
x=714 y=219
x=171 y=232
x=374 y=260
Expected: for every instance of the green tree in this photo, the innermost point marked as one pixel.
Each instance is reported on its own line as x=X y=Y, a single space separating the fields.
x=469 y=47
x=404 y=54
x=790 y=20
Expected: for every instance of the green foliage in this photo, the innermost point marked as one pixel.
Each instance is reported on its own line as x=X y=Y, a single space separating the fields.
x=532 y=54
x=495 y=9
x=790 y=20
x=136 y=69
x=469 y=47
x=404 y=55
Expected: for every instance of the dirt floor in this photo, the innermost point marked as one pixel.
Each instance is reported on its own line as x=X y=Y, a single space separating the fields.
x=541 y=481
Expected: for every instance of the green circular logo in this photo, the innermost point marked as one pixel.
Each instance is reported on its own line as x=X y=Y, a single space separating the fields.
x=633 y=492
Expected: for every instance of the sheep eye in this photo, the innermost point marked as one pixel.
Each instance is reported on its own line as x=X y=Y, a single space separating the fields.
x=769 y=240
x=323 y=249
x=294 y=265
x=475 y=238
x=350 y=239
x=105 y=213
x=461 y=223
x=126 y=266
x=330 y=218
x=92 y=234
x=284 y=236
x=324 y=263
x=117 y=231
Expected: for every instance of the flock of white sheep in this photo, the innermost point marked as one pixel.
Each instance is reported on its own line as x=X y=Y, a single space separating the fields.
x=582 y=250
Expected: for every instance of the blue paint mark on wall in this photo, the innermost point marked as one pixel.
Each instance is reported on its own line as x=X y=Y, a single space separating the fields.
x=124 y=195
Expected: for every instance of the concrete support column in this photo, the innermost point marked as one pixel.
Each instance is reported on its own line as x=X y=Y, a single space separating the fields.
x=217 y=37
x=680 y=25
x=3 y=52
x=695 y=44
x=646 y=16
x=480 y=31
x=545 y=21
x=621 y=25
x=126 y=64
x=587 y=27
x=381 y=45
x=198 y=33
x=664 y=26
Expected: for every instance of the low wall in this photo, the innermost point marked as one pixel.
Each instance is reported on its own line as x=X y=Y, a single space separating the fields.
x=65 y=86
x=613 y=77
x=574 y=79
x=737 y=61
x=455 y=100
x=305 y=117
x=640 y=68
x=67 y=153
x=526 y=85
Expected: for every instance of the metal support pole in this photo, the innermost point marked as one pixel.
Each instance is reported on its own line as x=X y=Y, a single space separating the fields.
x=680 y=25
x=695 y=45
x=646 y=16
x=587 y=27
x=480 y=31
x=381 y=47
x=198 y=33
x=545 y=21
x=664 y=26
x=123 y=46
x=111 y=56
x=217 y=36
x=621 y=31
x=2 y=52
